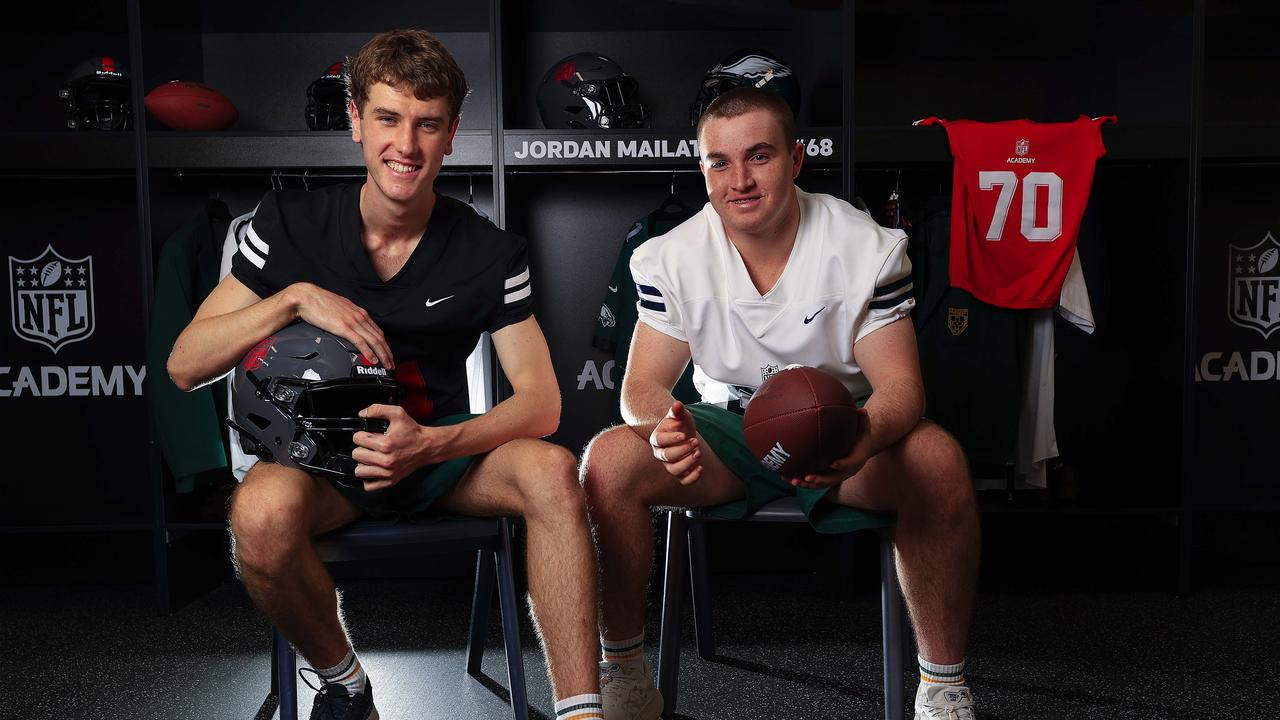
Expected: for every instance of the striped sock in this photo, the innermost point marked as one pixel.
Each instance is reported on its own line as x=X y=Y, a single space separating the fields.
x=931 y=674
x=580 y=707
x=349 y=672
x=623 y=651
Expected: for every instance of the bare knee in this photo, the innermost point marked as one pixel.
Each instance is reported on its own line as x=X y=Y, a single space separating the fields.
x=609 y=465
x=548 y=482
x=939 y=469
x=268 y=522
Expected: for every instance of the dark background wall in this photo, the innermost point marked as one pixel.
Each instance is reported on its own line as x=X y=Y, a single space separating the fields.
x=1128 y=404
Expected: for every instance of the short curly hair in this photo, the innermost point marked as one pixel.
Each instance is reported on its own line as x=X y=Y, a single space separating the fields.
x=407 y=59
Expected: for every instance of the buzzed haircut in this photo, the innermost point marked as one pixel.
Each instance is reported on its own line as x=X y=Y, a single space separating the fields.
x=407 y=59
x=740 y=101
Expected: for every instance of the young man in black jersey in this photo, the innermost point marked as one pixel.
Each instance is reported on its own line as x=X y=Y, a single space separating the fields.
x=412 y=278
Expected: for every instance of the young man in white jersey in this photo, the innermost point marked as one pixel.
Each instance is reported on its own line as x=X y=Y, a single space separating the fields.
x=764 y=276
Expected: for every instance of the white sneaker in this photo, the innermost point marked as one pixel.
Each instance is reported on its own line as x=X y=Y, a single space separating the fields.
x=627 y=692
x=944 y=702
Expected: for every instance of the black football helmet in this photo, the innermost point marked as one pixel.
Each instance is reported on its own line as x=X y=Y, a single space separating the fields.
x=96 y=95
x=747 y=68
x=296 y=398
x=327 y=100
x=587 y=90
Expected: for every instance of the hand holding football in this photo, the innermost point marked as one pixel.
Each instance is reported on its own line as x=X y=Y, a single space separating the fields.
x=800 y=421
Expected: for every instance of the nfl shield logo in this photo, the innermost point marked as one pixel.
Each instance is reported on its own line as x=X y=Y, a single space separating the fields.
x=957 y=320
x=51 y=298
x=1022 y=147
x=1254 y=286
x=768 y=370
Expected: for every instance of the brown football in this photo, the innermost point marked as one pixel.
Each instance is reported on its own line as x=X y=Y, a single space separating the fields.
x=800 y=420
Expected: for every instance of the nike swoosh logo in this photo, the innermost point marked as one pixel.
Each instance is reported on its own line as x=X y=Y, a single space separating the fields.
x=431 y=302
x=613 y=288
x=811 y=317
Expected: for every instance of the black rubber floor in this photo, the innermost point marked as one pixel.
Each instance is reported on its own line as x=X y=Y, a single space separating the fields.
x=790 y=646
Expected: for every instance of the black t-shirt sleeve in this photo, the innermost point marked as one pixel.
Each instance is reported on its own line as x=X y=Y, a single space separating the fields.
x=262 y=247
x=517 y=288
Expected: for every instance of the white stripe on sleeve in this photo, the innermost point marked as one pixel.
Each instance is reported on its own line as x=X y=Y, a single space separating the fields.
x=517 y=280
x=250 y=255
x=520 y=294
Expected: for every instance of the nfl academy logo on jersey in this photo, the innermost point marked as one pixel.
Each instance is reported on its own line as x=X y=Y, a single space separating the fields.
x=51 y=298
x=957 y=320
x=768 y=371
x=606 y=317
x=1254 y=285
x=1021 y=148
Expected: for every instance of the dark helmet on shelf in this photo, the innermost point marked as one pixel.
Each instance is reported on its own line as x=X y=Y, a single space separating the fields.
x=96 y=95
x=587 y=90
x=747 y=68
x=296 y=398
x=327 y=100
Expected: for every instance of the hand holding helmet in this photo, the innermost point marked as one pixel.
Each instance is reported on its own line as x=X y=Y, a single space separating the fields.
x=298 y=395
x=385 y=458
x=332 y=312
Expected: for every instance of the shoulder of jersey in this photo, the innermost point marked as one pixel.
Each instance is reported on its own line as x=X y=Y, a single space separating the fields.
x=689 y=239
x=852 y=231
x=308 y=203
x=480 y=230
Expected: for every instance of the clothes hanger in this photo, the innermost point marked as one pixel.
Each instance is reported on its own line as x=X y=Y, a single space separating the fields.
x=894 y=203
x=215 y=208
x=471 y=196
x=673 y=205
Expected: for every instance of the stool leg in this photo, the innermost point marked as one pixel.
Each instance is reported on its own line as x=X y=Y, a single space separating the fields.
x=700 y=582
x=891 y=628
x=286 y=672
x=511 y=626
x=672 y=589
x=275 y=665
x=481 y=602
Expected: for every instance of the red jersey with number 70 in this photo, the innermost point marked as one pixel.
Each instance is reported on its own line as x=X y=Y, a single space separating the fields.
x=1020 y=189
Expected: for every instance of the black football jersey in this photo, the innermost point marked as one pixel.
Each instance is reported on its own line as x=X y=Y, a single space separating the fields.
x=465 y=277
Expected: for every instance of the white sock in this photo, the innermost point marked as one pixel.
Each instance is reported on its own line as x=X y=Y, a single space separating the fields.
x=623 y=652
x=349 y=673
x=933 y=674
x=580 y=707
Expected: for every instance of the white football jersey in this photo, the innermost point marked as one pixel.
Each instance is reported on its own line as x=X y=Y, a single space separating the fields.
x=845 y=278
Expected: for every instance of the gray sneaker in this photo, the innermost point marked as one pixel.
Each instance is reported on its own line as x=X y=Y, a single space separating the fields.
x=944 y=702
x=627 y=692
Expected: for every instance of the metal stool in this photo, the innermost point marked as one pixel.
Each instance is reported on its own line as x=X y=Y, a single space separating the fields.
x=685 y=529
